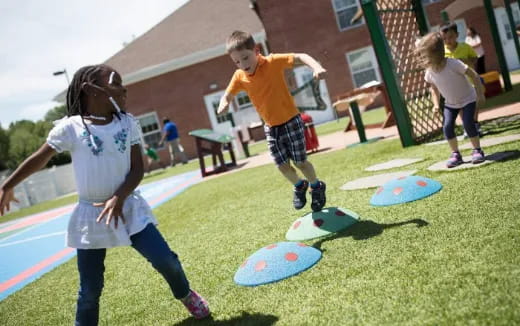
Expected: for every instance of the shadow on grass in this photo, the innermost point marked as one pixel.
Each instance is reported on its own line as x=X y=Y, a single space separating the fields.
x=503 y=156
x=366 y=229
x=244 y=319
x=500 y=125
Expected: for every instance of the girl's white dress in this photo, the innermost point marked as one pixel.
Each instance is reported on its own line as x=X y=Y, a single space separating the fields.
x=99 y=170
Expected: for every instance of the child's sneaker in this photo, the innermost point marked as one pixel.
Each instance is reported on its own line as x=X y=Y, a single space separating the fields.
x=318 y=197
x=299 y=198
x=454 y=160
x=477 y=156
x=196 y=305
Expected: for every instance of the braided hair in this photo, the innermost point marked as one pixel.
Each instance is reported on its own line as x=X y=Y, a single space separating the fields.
x=75 y=101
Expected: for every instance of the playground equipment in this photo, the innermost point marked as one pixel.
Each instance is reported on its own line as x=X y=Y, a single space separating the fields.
x=394 y=26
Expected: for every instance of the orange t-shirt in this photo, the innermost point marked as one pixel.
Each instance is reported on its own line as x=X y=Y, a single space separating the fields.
x=267 y=88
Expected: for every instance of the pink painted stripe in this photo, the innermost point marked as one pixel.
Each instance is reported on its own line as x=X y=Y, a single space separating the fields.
x=168 y=193
x=39 y=218
x=34 y=269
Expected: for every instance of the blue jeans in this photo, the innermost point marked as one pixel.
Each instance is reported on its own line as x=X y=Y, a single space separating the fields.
x=468 y=120
x=151 y=245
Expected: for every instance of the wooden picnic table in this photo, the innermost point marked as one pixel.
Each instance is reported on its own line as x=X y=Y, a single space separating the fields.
x=365 y=94
x=209 y=142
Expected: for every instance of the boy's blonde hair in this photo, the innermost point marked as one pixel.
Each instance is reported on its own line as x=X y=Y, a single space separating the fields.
x=430 y=51
x=239 y=40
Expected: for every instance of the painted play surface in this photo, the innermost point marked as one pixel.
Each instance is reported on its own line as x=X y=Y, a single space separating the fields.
x=318 y=224
x=34 y=245
x=404 y=190
x=375 y=180
x=393 y=164
x=276 y=262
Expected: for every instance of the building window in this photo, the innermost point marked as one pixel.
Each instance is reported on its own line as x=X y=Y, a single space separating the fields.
x=243 y=101
x=345 y=10
x=151 y=129
x=425 y=2
x=363 y=66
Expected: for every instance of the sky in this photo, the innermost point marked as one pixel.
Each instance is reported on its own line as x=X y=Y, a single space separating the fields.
x=41 y=37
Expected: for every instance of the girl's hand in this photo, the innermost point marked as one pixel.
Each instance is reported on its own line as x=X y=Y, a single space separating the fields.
x=113 y=210
x=319 y=73
x=6 y=197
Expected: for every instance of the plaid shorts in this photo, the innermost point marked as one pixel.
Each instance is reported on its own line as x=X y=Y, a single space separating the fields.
x=287 y=141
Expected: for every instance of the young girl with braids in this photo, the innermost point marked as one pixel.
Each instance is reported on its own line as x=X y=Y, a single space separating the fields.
x=104 y=142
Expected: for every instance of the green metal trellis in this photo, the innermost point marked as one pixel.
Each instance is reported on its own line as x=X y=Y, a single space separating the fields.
x=394 y=26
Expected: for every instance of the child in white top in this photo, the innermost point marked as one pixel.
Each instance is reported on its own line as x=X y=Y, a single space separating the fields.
x=448 y=77
x=104 y=142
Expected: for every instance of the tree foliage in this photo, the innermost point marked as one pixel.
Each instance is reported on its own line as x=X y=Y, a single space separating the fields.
x=24 y=137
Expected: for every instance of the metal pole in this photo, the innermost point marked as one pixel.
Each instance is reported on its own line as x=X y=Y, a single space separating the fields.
x=354 y=108
x=513 y=26
x=386 y=65
x=420 y=17
x=498 y=45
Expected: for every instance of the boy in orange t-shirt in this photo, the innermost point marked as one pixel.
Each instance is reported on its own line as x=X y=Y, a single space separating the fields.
x=263 y=80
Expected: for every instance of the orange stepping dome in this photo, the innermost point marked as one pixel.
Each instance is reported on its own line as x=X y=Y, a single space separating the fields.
x=404 y=189
x=318 y=224
x=276 y=262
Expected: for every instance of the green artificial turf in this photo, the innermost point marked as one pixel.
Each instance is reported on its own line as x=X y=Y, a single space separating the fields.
x=449 y=259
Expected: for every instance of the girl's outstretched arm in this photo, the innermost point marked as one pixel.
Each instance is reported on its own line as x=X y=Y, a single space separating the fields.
x=113 y=207
x=32 y=164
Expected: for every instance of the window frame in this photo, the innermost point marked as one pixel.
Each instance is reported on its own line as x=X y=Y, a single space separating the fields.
x=159 y=130
x=373 y=60
x=336 y=10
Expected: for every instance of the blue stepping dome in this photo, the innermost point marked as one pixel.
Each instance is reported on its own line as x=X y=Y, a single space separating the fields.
x=404 y=189
x=276 y=262
x=318 y=224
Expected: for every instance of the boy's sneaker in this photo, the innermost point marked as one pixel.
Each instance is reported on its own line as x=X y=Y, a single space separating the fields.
x=454 y=160
x=196 y=305
x=318 y=197
x=477 y=156
x=300 y=193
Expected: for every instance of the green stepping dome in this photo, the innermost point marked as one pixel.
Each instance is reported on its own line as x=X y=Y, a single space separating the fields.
x=404 y=189
x=276 y=262
x=318 y=224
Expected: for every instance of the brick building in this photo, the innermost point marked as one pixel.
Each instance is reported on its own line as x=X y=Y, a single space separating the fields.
x=179 y=69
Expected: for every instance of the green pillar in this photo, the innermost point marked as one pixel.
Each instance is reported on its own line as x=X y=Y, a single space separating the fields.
x=498 y=45
x=445 y=17
x=420 y=17
x=513 y=26
x=358 y=121
x=384 y=58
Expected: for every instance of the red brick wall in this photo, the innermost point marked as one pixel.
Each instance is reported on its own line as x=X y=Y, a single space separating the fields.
x=311 y=27
x=179 y=95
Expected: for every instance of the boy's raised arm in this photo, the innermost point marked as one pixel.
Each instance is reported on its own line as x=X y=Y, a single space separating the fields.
x=32 y=164
x=224 y=103
x=303 y=58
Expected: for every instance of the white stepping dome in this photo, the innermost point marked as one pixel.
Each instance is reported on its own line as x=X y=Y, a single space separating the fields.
x=393 y=164
x=374 y=181
x=486 y=142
